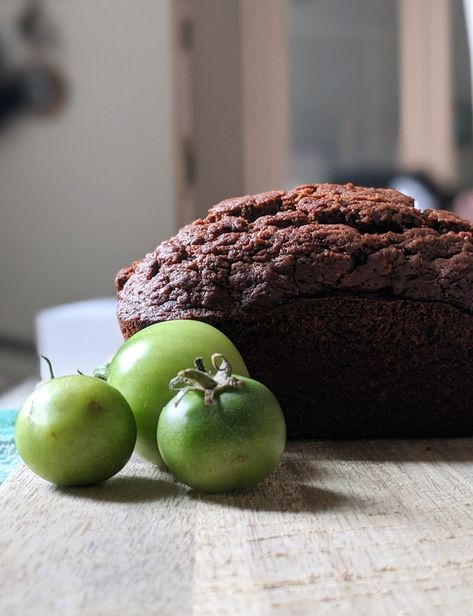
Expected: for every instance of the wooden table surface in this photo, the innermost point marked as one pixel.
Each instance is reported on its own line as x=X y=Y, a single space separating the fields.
x=379 y=528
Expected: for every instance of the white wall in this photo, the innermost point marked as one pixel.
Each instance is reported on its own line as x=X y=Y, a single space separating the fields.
x=84 y=194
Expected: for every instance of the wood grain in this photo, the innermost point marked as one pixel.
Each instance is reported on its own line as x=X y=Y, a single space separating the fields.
x=379 y=528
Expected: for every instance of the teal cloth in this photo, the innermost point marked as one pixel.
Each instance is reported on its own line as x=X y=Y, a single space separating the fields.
x=9 y=457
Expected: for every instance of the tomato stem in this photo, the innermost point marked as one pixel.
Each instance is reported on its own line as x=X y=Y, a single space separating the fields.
x=199 y=379
x=50 y=366
x=102 y=371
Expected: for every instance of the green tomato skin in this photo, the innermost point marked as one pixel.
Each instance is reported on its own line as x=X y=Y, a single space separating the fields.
x=233 y=443
x=146 y=362
x=75 y=430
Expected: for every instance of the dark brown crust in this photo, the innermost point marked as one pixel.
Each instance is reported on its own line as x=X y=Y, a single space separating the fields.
x=351 y=305
x=258 y=252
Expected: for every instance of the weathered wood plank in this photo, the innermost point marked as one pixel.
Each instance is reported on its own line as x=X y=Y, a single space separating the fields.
x=349 y=527
x=125 y=547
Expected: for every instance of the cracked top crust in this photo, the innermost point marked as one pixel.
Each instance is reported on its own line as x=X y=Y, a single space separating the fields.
x=257 y=252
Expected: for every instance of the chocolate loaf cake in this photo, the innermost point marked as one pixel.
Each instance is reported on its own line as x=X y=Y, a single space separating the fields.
x=354 y=307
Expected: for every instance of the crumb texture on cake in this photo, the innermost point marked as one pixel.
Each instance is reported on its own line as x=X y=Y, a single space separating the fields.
x=262 y=251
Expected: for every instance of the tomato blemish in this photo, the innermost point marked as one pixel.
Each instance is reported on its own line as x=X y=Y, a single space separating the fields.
x=94 y=406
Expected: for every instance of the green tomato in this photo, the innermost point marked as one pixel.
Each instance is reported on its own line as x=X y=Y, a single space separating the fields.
x=145 y=363
x=222 y=436
x=75 y=430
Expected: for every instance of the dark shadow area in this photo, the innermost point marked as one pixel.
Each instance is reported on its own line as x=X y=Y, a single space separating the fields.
x=300 y=467
x=320 y=499
x=274 y=495
x=126 y=489
x=392 y=450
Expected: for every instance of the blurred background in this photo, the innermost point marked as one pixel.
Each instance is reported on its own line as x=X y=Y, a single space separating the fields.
x=121 y=121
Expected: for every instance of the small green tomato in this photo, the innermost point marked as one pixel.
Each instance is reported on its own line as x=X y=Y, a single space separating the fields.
x=220 y=432
x=75 y=430
x=145 y=363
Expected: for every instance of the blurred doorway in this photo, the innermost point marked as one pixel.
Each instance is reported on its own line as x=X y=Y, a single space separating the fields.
x=231 y=94
x=290 y=91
